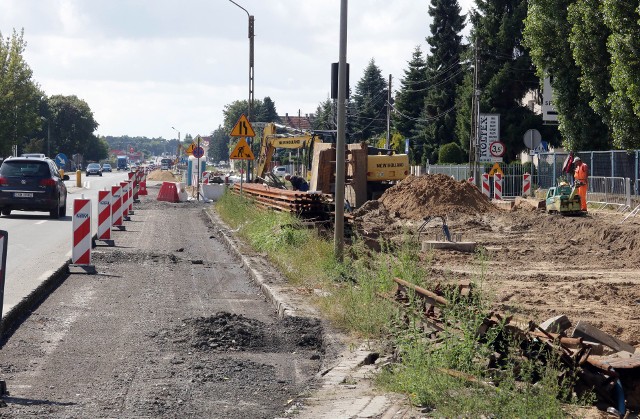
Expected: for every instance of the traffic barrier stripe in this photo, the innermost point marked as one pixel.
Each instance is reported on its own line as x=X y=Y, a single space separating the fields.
x=116 y=206
x=486 y=190
x=497 y=186
x=81 y=251
x=104 y=215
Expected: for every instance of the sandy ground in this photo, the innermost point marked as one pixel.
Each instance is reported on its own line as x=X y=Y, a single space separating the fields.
x=535 y=264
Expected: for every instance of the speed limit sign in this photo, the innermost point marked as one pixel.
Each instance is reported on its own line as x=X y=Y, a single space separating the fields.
x=497 y=149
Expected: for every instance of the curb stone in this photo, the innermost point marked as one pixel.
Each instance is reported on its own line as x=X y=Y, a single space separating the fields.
x=342 y=390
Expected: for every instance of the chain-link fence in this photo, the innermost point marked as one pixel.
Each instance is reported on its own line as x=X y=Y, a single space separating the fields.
x=614 y=176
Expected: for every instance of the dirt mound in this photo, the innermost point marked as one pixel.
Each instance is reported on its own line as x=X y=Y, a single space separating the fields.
x=163 y=175
x=417 y=197
x=233 y=332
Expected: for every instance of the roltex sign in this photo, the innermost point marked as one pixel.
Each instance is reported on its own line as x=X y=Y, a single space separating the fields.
x=488 y=133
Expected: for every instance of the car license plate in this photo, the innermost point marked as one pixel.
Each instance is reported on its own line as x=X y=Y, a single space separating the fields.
x=23 y=195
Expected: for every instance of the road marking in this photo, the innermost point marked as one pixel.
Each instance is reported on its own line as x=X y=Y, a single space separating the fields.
x=41 y=222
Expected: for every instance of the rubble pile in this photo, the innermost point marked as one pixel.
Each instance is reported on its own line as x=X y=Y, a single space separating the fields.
x=162 y=175
x=417 y=197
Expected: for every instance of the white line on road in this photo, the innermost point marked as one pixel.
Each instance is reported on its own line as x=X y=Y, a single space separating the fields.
x=41 y=222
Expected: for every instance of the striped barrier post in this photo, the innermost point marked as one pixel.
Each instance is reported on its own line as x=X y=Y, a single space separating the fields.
x=526 y=184
x=4 y=239
x=125 y=201
x=104 y=216
x=81 y=251
x=486 y=190
x=116 y=207
x=497 y=186
x=136 y=186
x=130 y=197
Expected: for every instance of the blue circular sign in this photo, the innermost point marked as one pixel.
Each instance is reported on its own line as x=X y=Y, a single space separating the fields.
x=198 y=152
x=61 y=160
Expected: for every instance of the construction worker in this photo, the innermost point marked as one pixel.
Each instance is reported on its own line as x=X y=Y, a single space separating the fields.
x=298 y=183
x=581 y=174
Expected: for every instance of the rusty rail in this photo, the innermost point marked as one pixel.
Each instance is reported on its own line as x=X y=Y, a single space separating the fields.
x=304 y=204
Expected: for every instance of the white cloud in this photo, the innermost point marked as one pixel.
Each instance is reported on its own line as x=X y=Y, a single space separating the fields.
x=146 y=65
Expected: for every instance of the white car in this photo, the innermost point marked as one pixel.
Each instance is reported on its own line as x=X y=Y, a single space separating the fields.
x=280 y=171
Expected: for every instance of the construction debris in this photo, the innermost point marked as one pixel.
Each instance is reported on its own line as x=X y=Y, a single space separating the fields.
x=304 y=204
x=614 y=376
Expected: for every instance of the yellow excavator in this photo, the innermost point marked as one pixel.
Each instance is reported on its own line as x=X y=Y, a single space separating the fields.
x=272 y=140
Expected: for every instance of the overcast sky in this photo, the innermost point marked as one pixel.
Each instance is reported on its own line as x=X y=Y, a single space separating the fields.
x=145 y=66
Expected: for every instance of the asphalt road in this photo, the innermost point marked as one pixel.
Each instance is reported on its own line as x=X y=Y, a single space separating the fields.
x=171 y=326
x=38 y=245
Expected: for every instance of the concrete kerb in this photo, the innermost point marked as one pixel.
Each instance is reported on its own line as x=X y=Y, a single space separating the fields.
x=12 y=319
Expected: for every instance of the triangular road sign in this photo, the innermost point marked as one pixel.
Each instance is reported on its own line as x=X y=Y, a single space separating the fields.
x=189 y=150
x=242 y=151
x=496 y=168
x=243 y=128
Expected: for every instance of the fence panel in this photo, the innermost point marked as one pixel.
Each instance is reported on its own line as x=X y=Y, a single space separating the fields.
x=609 y=191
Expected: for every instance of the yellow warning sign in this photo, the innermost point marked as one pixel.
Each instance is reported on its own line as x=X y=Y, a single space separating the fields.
x=496 y=169
x=243 y=128
x=189 y=150
x=242 y=151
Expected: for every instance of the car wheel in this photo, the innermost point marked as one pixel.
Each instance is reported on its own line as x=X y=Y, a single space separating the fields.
x=6 y=212
x=55 y=211
x=63 y=210
x=100 y=174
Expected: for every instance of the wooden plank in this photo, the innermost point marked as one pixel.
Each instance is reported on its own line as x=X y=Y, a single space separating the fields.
x=591 y=333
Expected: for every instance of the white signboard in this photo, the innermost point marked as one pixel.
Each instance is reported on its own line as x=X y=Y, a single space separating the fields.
x=488 y=133
x=549 y=113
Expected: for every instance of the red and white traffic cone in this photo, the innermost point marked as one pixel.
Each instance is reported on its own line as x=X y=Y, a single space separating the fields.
x=104 y=217
x=81 y=251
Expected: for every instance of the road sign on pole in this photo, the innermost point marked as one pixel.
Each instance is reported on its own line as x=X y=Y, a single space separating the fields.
x=242 y=151
x=243 y=128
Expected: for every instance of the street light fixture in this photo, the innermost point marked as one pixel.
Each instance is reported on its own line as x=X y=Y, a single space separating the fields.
x=251 y=21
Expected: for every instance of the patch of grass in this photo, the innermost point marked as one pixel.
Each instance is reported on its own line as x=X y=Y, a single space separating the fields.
x=450 y=375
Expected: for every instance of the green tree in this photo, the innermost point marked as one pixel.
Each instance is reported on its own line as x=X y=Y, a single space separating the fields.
x=267 y=111
x=219 y=145
x=445 y=74
x=409 y=100
x=369 y=116
x=505 y=71
x=324 y=119
x=20 y=96
x=546 y=34
x=72 y=126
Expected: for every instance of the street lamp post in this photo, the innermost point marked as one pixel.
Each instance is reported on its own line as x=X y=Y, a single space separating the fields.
x=178 y=148
x=251 y=21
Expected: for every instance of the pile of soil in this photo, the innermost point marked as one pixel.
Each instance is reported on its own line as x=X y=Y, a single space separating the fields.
x=417 y=197
x=227 y=331
x=162 y=175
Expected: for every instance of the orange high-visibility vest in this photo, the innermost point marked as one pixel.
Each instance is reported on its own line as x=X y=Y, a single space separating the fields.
x=581 y=173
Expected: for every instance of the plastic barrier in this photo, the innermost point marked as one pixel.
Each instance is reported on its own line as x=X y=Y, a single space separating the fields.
x=130 y=197
x=116 y=207
x=125 y=200
x=104 y=215
x=526 y=184
x=4 y=239
x=486 y=190
x=81 y=251
x=497 y=186
x=143 y=188
x=168 y=192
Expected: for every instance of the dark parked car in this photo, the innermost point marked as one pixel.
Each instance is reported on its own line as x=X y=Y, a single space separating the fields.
x=32 y=184
x=94 y=169
x=106 y=167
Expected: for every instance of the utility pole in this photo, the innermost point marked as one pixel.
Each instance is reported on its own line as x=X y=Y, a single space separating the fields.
x=341 y=141
x=388 y=142
x=474 y=140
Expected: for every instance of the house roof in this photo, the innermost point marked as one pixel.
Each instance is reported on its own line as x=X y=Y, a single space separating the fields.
x=302 y=122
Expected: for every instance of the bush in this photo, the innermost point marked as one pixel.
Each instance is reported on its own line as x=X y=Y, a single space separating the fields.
x=451 y=153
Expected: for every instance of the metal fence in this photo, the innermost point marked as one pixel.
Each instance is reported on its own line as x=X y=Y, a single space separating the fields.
x=614 y=176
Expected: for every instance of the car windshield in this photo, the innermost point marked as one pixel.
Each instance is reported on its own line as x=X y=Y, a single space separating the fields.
x=24 y=168
x=106 y=165
x=93 y=166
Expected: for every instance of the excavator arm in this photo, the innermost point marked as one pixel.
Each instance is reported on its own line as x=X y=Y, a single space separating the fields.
x=271 y=141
